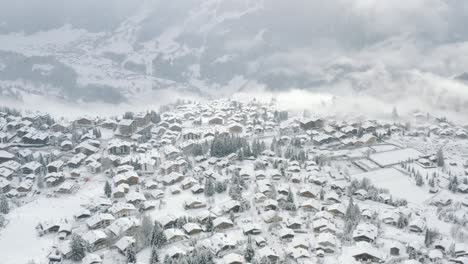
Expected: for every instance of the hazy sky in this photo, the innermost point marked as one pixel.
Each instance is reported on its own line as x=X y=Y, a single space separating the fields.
x=414 y=46
x=399 y=33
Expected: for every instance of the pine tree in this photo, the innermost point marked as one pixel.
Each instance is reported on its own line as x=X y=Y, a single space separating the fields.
x=131 y=255
x=249 y=251
x=290 y=205
x=4 y=206
x=154 y=259
x=220 y=187
x=108 y=189
x=209 y=225
x=77 y=248
x=273 y=144
x=167 y=259
x=209 y=189
x=40 y=181
x=352 y=218
x=427 y=238
x=145 y=228
x=235 y=192
x=440 y=158
x=431 y=182
x=158 y=238
x=419 y=180
x=453 y=184
x=402 y=221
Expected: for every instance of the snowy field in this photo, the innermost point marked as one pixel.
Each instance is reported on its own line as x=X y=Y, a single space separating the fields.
x=398 y=183
x=393 y=157
x=20 y=233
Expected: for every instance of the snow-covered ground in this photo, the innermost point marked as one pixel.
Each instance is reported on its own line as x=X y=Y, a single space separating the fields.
x=398 y=183
x=20 y=233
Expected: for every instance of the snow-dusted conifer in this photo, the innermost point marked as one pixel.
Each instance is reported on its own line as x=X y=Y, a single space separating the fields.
x=77 y=247
x=4 y=206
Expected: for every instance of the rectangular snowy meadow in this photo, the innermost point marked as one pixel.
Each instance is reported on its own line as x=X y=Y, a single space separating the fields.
x=399 y=184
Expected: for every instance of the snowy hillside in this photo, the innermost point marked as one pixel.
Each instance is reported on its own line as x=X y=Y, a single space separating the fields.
x=231 y=182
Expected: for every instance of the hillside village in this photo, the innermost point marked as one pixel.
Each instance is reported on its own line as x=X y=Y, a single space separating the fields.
x=232 y=182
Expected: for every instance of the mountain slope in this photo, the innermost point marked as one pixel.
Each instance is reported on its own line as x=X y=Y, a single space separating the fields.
x=217 y=48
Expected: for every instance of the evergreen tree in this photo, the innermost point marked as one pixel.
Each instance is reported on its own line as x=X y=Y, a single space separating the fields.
x=108 y=189
x=143 y=230
x=419 y=180
x=158 y=238
x=440 y=158
x=209 y=225
x=431 y=182
x=290 y=205
x=232 y=217
x=402 y=221
x=221 y=187
x=4 y=206
x=429 y=236
x=40 y=181
x=453 y=184
x=167 y=259
x=352 y=218
x=322 y=194
x=131 y=255
x=240 y=155
x=77 y=248
x=197 y=150
x=154 y=259
x=235 y=192
x=209 y=187
x=249 y=251
x=273 y=144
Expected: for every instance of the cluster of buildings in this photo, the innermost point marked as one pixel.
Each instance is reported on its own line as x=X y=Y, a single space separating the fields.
x=288 y=208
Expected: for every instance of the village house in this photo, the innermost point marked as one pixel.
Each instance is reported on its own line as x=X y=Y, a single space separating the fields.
x=128 y=177
x=124 y=243
x=268 y=253
x=192 y=229
x=5 y=185
x=122 y=209
x=174 y=235
x=119 y=147
x=221 y=223
x=169 y=167
x=235 y=128
x=311 y=123
x=193 y=203
x=123 y=226
x=55 y=166
x=191 y=135
x=6 y=173
x=216 y=120
x=32 y=167
x=96 y=239
x=364 y=252
x=66 y=187
x=100 y=220
x=84 y=122
x=365 y=232
x=417 y=225
x=127 y=127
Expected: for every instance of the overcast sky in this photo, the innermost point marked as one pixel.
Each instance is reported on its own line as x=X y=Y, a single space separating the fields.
x=397 y=44
x=402 y=32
